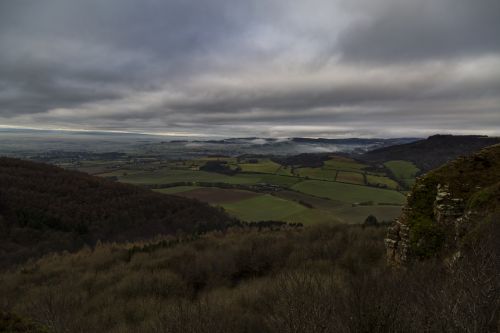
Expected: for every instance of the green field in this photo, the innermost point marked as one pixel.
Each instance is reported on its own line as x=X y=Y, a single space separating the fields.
x=284 y=170
x=404 y=171
x=167 y=176
x=264 y=166
x=216 y=196
x=345 y=214
x=285 y=181
x=201 y=160
x=351 y=177
x=348 y=193
x=343 y=163
x=264 y=207
x=385 y=181
x=317 y=173
x=119 y=173
x=329 y=211
x=256 y=208
x=330 y=193
x=176 y=189
x=358 y=214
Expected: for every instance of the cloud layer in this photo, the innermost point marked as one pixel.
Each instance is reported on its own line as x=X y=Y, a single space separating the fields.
x=254 y=67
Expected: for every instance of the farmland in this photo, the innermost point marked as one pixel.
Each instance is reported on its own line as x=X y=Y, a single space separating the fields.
x=404 y=171
x=254 y=188
x=348 y=192
x=176 y=189
x=344 y=164
x=382 y=181
x=265 y=207
x=350 y=177
x=263 y=166
x=317 y=173
x=166 y=175
x=214 y=195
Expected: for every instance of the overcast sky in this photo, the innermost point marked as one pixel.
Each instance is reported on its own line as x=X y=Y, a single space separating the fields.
x=319 y=68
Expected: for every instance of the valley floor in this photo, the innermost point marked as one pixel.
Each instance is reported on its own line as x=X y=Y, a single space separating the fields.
x=255 y=189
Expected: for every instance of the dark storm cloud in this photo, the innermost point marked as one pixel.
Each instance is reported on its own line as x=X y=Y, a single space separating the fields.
x=61 y=53
x=403 y=30
x=256 y=67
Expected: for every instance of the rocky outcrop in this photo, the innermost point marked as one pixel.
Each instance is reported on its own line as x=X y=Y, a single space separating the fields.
x=397 y=242
x=448 y=213
x=447 y=209
x=445 y=206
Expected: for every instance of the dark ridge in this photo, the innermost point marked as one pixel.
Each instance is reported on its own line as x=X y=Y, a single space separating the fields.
x=44 y=208
x=433 y=152
x=357 y=141
x=311 y=160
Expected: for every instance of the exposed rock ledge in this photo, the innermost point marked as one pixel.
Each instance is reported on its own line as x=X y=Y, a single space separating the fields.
x=445 y=206
x=448 y=212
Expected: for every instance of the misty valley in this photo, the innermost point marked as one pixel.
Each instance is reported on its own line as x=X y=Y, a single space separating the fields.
x=139 y=234
x=250 y=166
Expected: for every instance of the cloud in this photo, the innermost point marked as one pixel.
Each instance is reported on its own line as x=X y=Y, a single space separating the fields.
x=405 y=30
x=273 y=68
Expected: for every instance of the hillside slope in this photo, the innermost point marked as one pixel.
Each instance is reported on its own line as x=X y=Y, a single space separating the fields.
x=448 y=208
x=433 y=152
x=44 y=208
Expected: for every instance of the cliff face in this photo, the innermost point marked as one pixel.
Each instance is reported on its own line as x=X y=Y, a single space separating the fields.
x=446 y=206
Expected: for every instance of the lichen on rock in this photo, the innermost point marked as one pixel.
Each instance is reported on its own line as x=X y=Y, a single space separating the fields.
x=444 y=206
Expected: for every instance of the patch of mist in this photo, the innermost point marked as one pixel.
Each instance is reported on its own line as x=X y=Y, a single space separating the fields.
x=258 y=141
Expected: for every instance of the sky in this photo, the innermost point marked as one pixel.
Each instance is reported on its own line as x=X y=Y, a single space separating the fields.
x=273 y=68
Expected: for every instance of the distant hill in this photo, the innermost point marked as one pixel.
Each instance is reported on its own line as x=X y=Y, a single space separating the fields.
x=44 y=208
x=450 y=207
x=306 y=160
x=433 y=152
x=358 y=141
